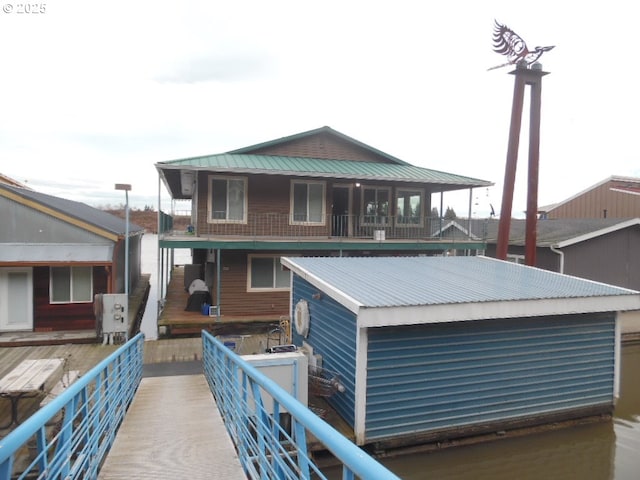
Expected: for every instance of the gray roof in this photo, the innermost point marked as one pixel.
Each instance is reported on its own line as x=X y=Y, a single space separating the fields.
x=77 y=210
x=561 y=231
x=404 y=281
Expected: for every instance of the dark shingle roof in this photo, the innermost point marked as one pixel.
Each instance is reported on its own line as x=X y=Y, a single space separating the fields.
x=549 y=232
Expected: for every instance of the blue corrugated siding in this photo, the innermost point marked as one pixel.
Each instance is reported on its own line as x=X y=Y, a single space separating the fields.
x=332 y=334
x=434 y=377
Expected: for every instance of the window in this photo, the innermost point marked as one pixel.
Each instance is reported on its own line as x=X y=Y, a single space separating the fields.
x=228 y=200
x=71 y=284
x=515 y=258
x=375 y=205
x=307 y=202
x=267 y=273
x=409 y=207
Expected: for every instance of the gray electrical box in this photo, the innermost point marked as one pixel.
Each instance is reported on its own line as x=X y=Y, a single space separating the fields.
x=115 y=312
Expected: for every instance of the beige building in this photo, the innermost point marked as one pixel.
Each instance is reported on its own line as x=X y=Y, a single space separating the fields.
x=614 y=197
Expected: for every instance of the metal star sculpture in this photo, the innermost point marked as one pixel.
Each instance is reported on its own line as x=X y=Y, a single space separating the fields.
x=510 y=44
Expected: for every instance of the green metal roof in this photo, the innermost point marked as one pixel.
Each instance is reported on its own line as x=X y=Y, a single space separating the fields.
x=318 y=167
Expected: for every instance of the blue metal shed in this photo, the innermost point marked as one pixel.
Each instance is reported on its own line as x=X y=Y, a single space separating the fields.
x=438 y=347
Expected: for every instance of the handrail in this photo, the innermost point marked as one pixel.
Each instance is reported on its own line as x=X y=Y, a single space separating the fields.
x=74 y=432
x=266 y=446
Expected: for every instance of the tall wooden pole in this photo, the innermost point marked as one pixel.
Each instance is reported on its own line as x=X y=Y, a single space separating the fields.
x=510 y=169
x=531 y=236
x=524 y=76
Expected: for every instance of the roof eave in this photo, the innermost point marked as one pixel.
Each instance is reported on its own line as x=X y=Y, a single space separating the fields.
x=460 y=312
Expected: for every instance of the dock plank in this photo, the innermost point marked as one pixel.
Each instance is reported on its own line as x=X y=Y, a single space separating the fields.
x=172 y=430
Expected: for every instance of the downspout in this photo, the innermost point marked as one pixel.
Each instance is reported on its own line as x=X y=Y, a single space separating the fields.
x=561 y=253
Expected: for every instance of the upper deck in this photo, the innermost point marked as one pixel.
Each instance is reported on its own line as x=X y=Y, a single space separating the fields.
x=274 y=231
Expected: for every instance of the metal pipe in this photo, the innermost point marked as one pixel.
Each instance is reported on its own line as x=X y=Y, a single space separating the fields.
x=561 y=253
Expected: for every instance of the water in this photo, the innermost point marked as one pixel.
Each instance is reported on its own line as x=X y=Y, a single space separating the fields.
x=607 y=450
x=149 y=265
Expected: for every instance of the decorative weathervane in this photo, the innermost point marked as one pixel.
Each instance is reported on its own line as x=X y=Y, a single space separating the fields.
x=510 y=44
x=527 y=73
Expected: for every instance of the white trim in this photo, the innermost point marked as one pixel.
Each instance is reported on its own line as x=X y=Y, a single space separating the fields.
x=598 y=233
x=363 y=214
x=420 y=191
x=71 y=281
x=453 y=223
x=622 y=190
x=515 y=258
x=323 y=213
x=360 y=397
x=432 y=314
x=250 y=257
x=342 y=298
x=27 y=325
x=245 y=207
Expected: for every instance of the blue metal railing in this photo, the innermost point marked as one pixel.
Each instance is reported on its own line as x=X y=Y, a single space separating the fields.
x=73 y=433
x=267 y=446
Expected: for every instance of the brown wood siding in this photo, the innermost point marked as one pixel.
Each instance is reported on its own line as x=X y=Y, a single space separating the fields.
x=72 y=316
x=267 y=195
x=237 y=301
x=269 y=207
x=323 y=146
x=594 y=203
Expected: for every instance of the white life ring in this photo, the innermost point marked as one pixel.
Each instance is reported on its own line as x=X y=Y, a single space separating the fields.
x=301 y=318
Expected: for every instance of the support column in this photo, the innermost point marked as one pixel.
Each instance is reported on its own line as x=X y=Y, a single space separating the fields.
x=524 y=76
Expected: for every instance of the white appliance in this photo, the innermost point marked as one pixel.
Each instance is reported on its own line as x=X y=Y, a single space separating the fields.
x=115 y=313
x=289 y=370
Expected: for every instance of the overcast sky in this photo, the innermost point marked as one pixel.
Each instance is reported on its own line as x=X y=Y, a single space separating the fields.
x=95 y=93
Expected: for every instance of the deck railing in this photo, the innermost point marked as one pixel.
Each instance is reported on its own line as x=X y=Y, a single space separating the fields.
x=268 y=446
x=282 y=225
x=70 y=436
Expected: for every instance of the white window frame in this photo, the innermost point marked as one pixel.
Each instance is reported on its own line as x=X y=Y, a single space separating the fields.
x=515 y=258
x=71 y=290
x=323 y=213
x=421 y=218
x=276 y=264
x=364 y=215
x=210 y=218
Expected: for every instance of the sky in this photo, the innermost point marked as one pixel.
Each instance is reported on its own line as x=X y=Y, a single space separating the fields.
x=96 y=93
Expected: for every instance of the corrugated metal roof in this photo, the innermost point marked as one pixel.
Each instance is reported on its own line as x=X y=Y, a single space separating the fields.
x=417 y=281
x=80 y=211
x=318 y=167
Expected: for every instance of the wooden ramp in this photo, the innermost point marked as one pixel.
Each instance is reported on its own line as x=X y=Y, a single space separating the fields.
x=173 y=429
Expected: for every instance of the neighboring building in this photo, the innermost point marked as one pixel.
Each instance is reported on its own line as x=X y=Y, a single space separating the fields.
x=603 y=250
x=433 y=348
x=614 y=197
x=55 y=255
x=315 y=193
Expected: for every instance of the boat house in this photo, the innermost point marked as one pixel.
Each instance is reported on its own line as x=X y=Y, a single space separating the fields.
x=435 y=348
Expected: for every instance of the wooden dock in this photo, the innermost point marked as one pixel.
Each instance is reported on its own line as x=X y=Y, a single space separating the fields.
x=173 y=430
x=174 y=320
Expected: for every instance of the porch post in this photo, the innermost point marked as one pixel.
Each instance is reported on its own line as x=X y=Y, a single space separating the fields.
x=218 y=280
